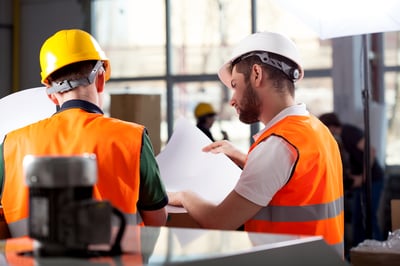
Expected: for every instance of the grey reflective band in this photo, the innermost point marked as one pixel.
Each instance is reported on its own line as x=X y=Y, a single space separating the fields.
x=67 y=85
x=338 y=247
x=131 y=219
x=18 y=228
x=300 y=213
x=292 y=72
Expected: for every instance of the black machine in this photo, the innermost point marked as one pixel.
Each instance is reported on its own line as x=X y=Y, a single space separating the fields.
x=63 y=216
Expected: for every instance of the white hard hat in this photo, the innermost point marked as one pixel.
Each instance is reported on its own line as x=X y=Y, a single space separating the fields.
x=264 y=43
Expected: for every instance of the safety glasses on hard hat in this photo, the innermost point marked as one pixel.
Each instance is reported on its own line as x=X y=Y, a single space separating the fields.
x=292 y=72
x=67 y=85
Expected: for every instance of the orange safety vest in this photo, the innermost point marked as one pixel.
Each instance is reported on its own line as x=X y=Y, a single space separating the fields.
x=311 y=202
x=117 y=145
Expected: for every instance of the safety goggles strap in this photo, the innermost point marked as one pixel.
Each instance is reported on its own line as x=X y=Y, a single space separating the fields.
x=292 y=72
x=67 y=85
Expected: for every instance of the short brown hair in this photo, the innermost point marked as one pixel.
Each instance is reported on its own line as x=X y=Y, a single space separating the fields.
x=279 y=78
x=73 y=71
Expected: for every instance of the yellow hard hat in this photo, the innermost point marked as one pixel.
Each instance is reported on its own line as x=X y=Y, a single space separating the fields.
x=70 y=46
x=203 y=109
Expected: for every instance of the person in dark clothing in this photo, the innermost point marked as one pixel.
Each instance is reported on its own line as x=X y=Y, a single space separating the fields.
x=351 y=143
x=205 y=115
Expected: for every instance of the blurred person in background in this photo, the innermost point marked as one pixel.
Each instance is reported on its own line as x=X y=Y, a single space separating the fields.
x=205 y=119
x=352 y=142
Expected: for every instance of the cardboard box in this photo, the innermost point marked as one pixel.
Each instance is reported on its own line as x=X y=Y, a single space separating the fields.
x=395 y=211
x=364 y=258
x=144 y=109
x=181 y=220
x=380 y=258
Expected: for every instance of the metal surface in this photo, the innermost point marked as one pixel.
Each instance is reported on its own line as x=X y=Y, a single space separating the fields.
x=60 y=171
x=178 y=246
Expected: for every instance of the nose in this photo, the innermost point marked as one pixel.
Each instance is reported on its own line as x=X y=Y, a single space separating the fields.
x=232 y=101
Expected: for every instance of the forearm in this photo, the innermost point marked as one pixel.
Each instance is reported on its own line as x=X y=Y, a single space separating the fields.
x=154 y=218
x=202 y=211
x=238 y=158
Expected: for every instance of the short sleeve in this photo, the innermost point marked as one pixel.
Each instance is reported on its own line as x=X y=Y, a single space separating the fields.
x=152 y=194
x=268 y=169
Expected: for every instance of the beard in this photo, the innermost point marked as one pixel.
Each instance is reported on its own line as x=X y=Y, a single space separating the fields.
x=249 y=106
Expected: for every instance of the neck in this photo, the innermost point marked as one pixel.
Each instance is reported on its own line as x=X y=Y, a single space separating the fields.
x=274 y=107
x=87 y=93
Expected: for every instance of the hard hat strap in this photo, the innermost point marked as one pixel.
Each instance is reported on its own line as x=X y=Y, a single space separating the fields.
x=67 y=85
x=292 y=72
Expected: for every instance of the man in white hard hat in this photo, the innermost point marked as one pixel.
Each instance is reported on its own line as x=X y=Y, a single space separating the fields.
x=292 y=175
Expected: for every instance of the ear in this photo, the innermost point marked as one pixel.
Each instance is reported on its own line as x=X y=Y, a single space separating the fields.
x=100 y=81
x=53 y=98
x=256 y=74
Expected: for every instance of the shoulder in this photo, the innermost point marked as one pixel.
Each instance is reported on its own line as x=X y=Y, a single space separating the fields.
x=118 y=123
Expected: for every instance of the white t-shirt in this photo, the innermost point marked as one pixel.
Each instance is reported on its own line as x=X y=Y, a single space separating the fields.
x=269 y=164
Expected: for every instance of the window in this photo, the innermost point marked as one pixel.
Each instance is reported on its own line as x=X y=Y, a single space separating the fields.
x=392 y=95
x=148 y=56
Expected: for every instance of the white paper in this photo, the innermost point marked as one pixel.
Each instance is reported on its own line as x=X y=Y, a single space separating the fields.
x=23 y=108
x=332 y=19
x=184 y=166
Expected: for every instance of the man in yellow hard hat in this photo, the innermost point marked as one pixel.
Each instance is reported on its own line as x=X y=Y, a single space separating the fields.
x=205 y=116
x=291 y=181
x=74 y=69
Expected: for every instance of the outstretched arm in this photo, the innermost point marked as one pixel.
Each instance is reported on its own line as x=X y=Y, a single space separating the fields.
x=231 y=213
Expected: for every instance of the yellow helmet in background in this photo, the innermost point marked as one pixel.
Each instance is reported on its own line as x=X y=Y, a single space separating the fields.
x=67 y=47
x=203 y=109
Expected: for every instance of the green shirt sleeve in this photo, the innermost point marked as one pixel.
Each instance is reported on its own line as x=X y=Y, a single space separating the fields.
x=152 y=194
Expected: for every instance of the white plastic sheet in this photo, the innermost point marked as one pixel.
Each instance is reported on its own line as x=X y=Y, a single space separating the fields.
x=23 y=108
x=184 y=166
x=339 y=18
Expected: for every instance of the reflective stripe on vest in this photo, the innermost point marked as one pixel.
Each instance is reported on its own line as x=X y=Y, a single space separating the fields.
x=339 y=247
x=19 y=228
x=131 y=219
x=300 y=213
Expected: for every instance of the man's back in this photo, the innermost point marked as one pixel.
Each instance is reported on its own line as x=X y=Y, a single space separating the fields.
x=117 y=145
x=74 y=70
